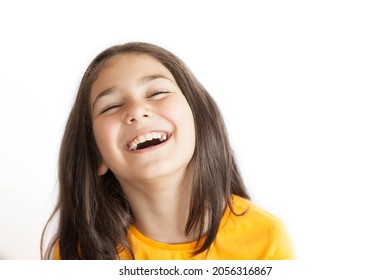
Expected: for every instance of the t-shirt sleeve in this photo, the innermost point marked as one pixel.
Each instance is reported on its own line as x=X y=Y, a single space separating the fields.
x=282 y=245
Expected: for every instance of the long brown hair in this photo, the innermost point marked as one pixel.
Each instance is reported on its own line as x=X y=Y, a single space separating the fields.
x=94 y=215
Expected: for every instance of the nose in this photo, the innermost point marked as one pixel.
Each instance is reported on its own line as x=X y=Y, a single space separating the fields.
x=137 y=111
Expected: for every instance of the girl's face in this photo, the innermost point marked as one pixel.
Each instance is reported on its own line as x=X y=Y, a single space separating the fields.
x=142 y=123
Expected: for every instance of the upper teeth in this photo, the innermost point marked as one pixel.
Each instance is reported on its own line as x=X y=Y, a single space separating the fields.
x=146 y=137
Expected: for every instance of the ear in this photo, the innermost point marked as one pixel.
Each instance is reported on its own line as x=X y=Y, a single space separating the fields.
x=103 y=168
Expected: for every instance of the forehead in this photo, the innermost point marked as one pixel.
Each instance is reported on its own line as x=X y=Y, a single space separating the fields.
x=128 y=67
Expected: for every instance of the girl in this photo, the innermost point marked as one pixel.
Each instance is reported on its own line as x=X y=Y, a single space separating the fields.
x=146 y=170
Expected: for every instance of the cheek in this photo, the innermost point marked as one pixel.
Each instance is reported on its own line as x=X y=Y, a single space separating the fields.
x=105 y=133
x=180 y=113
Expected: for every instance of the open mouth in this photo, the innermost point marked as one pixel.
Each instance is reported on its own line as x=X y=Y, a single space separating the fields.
x=147 y=140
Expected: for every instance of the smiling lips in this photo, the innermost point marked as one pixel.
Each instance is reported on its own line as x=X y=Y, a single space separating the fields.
x=147 y=140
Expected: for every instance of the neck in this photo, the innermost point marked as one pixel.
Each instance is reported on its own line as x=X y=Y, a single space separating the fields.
x=161 y=207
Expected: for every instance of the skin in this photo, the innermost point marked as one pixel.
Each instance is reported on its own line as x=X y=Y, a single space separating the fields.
x=134 y=94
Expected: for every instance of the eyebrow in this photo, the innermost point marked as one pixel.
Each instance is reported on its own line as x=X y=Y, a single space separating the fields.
x=143 y=80
x=150 y=78
x=103 y=93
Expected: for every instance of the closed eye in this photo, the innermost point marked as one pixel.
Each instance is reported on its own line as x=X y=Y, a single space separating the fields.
x=110 y=108
x=157 y=93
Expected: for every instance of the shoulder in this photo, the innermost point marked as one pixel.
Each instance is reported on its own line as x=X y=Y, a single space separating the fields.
x=249 y=217
x=254 y=228
x=244 y=211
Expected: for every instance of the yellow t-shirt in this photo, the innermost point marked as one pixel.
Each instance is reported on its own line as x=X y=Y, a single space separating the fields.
x=256 y=235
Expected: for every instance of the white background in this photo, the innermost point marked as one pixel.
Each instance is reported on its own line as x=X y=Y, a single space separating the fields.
x=303 y=87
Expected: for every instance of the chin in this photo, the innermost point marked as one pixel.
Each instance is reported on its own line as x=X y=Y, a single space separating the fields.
x=161 y=172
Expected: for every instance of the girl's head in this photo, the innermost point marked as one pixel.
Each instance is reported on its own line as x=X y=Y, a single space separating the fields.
x=152 y=72
x=142 y=123
x=131 y=93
